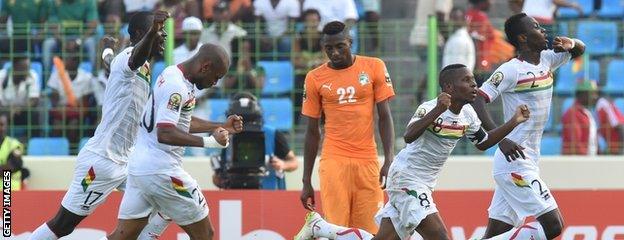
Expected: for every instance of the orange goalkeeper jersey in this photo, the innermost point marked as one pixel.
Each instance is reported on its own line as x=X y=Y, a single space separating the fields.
x=347 y=97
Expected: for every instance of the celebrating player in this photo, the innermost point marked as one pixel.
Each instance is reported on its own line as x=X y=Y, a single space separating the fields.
x=156 y=179
x=431 y=135
x=346 y=90
x=101 y=165
x=524 y=80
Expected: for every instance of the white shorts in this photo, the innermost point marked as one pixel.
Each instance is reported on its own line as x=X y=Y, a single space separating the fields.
x=409 y=202
x=177 y=196
x=520 y=195
x=95 y=177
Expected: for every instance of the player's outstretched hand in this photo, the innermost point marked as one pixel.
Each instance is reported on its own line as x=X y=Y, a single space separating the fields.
x=511 y=150
x=221 y=135
x=444 y=100
x=159 y=20
x=234 y=124
x=562 y=44
x=522 y=114
x=307 y=197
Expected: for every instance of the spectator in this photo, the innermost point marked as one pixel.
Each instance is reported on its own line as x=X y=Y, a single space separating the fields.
x=307 y=53
x=23 y=13
x=192 y=29
x=63 y=113
x=333 y=10
x=544 y=13
x=19 y=92
x=515 y=6
x=110 y=12
x=179 y=10
x=424 y=9
x=247 y=77
x=239 y=10
x=68 y=18
x=459 y=48
x=580 y=131
x=610 y=125
x=11 y=155
x=491 y=48
x=279 y=17
x=134 y=6
x=222 y=32
x=371 y=10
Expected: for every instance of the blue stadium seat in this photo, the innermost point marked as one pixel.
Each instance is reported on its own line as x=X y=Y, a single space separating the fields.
x=82 y=143
x=279 y=77
x=37 y=66
x=48 y=146
x=87 y=66
x=611 y=9
x=278 y=112
x=586 y=5
x=490 y=151
x=551 y=145
x=567 y=79
x=563 y=29
x=157 y=68
x=620 y=104
x=216 y=109
x=615 y=80
x=599 y=37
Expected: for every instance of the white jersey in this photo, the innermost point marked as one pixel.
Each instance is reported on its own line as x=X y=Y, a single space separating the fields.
x=124 y=98
x=423 y=159
x=520 y=82
x=170 y=105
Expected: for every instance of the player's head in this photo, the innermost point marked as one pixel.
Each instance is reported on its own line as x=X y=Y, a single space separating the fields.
x=483 y=5
x=140 y=24
x=587 y=93
x=459 y=82
x=525 y=33
x=336 y=43
x=208 y=65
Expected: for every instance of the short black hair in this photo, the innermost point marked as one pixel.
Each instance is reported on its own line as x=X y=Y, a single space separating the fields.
x=334 y=27
x=139 y=21
x=310 y=11
x=513 y=28
x=443 y=78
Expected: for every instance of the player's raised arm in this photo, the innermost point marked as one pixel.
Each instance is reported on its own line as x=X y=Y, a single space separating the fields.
x=418 y=127
x=572 y=45
x=312 y=139
x=496 y=135
x=171 y=135
x=233 y=124
x=143 y=49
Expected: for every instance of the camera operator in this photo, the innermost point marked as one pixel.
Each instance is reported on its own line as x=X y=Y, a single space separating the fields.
x=258 y=156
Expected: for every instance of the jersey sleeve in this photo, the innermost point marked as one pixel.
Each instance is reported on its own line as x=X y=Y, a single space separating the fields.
x=168 y=100
x=311 y=98
x=421 y=111
x=475 y=133
x=503 y=80
x=382 y=84
x=556 y=59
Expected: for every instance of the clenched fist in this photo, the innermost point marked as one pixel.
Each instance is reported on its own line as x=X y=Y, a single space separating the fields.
x=221 y=135
x=522 y=114
x=444 y=101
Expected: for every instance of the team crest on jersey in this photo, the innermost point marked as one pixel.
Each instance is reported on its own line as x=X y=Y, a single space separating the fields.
x=497 y=78
x=174 y=102
x=363 y=78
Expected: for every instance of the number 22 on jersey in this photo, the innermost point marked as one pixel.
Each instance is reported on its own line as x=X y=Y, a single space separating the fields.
x=346 y=95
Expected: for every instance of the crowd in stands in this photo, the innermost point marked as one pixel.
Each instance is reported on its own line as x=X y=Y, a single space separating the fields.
x=43 y=43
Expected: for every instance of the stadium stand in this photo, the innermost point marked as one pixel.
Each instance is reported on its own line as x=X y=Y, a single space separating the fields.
x=611 y=9
x=615 y=83
x=48 y=146
x=569 y=74
x=278 y=113
x=279 y=77
x=599 y=37
x=551 y=145
x=586 y=5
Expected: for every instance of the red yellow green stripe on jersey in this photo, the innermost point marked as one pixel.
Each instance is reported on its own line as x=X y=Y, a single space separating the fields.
x=87 y=180
x=518 y=180
x=448 y=131
x=178 y=186
x=535 y=84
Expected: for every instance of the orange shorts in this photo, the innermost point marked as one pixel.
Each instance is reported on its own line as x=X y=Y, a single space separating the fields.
x=350 y=191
